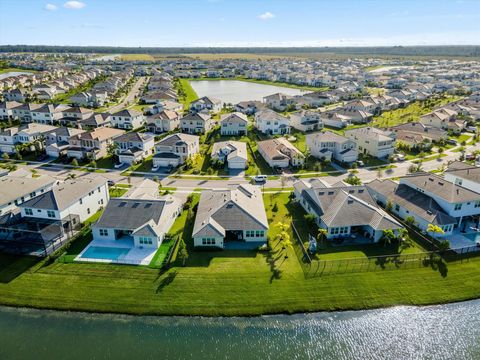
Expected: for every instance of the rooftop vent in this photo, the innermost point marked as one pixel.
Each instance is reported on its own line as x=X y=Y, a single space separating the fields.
x=148 y=205
x=122 y=204
x=135 y=205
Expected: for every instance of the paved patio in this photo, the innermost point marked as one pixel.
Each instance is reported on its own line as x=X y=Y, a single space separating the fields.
x=135 y=255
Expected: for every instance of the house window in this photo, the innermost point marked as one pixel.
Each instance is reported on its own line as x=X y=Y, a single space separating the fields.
x=50 y=213
x=28 y=212
x=81 y=201
x=32 y=194
x=208 y=241
x=477 y=204
x=103 y=232
x=397 y=207
x=88 y=211
x=458 y=207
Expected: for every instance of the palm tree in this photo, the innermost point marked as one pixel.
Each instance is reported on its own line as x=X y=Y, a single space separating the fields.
x=443 y=246
x=283 y=237
x=388 y=237
x=322 y=235
x=435 y=229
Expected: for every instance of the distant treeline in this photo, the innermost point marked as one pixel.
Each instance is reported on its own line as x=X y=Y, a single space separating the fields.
x=460 y=50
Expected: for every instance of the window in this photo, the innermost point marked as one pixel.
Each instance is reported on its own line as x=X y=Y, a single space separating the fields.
x=28 y=212
x=477 y=204
x=458 y=207
x=208 y=241
x=50 y=213
x=103 y=232
x=88 y=211
x=81 y=201
x=32 y=194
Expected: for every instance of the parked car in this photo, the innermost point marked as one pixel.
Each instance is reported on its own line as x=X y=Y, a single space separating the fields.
x=260 y=178
x=111 y=183
x=360 y=163
x=451 y=141
x=471 y=129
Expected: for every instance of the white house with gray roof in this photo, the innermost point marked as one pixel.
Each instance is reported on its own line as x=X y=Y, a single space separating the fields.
x=233 y=153
x=196 y=123
x=174 y=149
x=134 y=146
x=15 y=190
x=372 y=141
x=229 y=217
x=127 y=119
x=344 y=211
x=270 y=122
x=328 y=145
x=80 y=197
x=233 y=124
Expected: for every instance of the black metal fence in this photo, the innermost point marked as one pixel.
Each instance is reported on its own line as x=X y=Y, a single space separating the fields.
x=436 y=260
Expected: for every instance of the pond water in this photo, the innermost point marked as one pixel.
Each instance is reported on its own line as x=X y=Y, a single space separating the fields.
x=435 y=332
x=234 y=91
x=12 y=73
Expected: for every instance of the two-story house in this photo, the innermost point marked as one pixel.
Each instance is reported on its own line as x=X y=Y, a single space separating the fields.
x=56 y=141
x=73 y=200
x=270 y=122
x=163 y=121
x=233 y=124
x=92 y=145
x=196 y=123
x=206 y=103
x=174 y=149
x=133 y=147
x=328 y=145
x=372 y=141
x=279 y=101
x=127 y=119
x=306 y=120
x=232 y=153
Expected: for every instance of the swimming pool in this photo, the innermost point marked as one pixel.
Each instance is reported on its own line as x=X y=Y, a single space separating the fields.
x=475 y=237
x=104 y=253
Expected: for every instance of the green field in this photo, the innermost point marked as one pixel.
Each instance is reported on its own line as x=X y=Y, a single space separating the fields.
x=227 y=283
x=185 y=92
x=5 y=70
x=411 y=112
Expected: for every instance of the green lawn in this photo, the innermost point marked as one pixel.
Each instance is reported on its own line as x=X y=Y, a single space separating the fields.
x=3 y=71
x=411 y=112
x=227 y=282
x=116 y=192
x=186 y=94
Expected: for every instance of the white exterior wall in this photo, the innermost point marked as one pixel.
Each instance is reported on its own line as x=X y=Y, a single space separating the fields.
x=198 y=241
x=90 y=205
x=5 y=208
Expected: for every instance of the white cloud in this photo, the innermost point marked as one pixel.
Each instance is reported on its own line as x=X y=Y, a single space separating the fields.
x=266 y=16
x=74 y=5
x=51 y=7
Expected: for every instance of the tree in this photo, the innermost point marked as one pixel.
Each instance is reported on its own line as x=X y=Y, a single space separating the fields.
x=322 y=235
x=112 y=149
x=388 y=237
x=5 y=156
x=74 y=162
x=353 y=180
x=435 y=229
x=283 y=237
x=410 y=221
x=182 y=252
x=389 y=205
x=443 y=246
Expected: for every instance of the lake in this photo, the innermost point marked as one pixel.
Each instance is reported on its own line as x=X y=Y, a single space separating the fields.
x=234 y=91
x=436 y=332
x=13 y=73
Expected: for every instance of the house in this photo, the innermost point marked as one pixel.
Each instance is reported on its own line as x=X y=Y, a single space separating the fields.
x=196 y=123
x=227 y=217
x=406 y=201
x=328 y=145
x=92 y=145
x=133 y=147
x=344 y=211
x=270 y=122
x=206 y=103
x=306 y=120
x=279 y=101
x=464 y=175
x=72 y=116
x=356 y=116
x=280 y=153
x=443 y=119
x=234 y=153
x=95 y=121
x=18 y=95
x=30 y=133
x=233 y=124
x=15 y=190
x=137 y=225
x=319 y=98
x=8 y=140
x=456 y=200
x=164 y=121
x=75 y=200
x=56 y=141
x=249 y=107
x=174 y=149
x=127 y=119
x=372 y=141
x=335 y=119
x=415 y=133
x=45 y=113
x=6 y=109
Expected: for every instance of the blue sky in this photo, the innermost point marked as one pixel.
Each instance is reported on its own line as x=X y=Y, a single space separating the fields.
x=240 y=23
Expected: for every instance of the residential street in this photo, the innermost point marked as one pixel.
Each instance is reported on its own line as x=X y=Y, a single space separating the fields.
x=128 y=100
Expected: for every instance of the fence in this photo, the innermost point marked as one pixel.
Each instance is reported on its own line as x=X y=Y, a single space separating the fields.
x=437 y=260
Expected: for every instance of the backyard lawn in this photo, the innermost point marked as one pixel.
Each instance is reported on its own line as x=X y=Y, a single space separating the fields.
x=227 y=282
x=186 y=94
